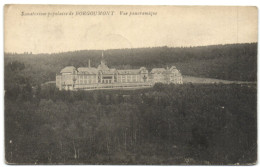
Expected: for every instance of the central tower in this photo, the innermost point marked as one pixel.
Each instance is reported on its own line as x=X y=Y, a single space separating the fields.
x=103 y=65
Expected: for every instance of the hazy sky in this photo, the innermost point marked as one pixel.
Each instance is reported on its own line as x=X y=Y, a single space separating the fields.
x=171 y=26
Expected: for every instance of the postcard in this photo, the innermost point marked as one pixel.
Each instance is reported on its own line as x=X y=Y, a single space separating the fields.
x=130 y=85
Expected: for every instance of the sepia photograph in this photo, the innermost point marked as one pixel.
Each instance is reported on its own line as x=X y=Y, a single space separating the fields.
x=130 y=85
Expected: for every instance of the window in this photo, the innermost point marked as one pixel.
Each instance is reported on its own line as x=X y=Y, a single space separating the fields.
x=134 y=78
x=123 y=78
x=128 y=78
x=81 y=79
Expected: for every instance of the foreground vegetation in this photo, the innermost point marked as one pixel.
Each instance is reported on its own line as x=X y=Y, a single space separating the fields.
x=167 y=124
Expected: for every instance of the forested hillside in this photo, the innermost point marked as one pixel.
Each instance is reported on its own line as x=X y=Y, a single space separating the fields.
x=229 y=62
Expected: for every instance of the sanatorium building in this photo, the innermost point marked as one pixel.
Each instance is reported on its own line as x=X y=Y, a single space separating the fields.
x=102 y=77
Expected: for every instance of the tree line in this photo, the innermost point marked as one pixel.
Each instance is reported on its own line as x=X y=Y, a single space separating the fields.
x=230 y=62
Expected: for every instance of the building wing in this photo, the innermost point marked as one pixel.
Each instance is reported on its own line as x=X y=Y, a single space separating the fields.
x=129 y=72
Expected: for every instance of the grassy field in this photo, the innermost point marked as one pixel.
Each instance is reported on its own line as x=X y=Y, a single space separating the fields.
x=201 y=80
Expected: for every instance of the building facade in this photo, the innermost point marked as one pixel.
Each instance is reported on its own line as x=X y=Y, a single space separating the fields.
x=167 y=76
x=102 y=77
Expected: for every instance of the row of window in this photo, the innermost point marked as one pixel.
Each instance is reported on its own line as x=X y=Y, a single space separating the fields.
x=89 y=79
x=86 y=76
x=121 y=79
x=86 y=81
x=172 y=74
x=128 y=78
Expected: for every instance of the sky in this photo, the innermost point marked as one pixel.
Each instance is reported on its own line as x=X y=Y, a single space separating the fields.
x=172 y=26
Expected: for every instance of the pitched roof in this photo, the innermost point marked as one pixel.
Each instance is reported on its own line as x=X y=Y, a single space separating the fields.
x=88 y=70
x=103 y=66
x=158 y=70
x=173 y=68
x=68 y=69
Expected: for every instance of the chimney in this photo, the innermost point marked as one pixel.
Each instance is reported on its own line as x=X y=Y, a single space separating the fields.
x=88 y=63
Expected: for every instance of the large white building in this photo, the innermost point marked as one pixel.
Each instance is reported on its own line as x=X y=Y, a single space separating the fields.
x=102 y=77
